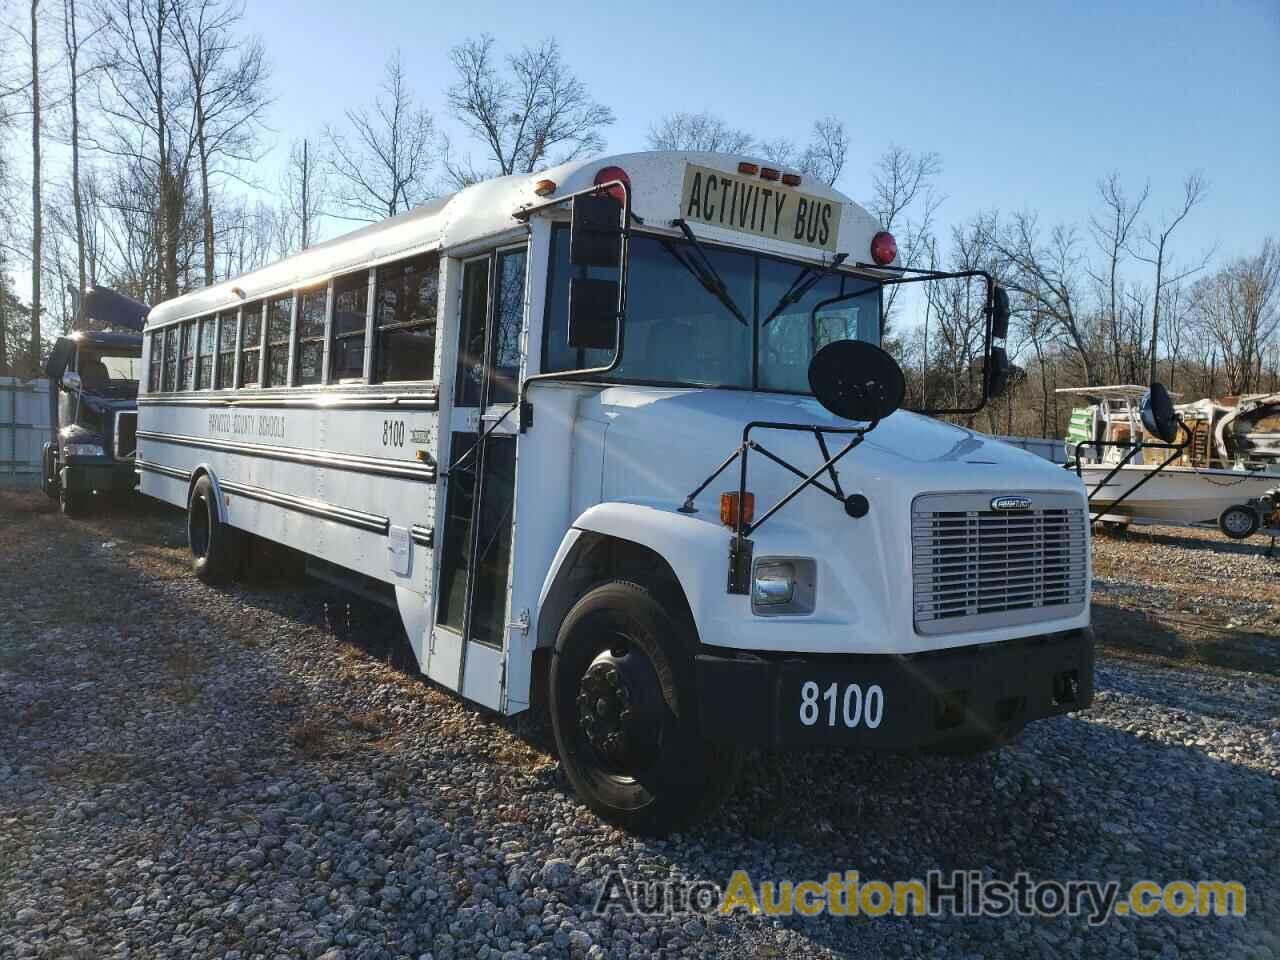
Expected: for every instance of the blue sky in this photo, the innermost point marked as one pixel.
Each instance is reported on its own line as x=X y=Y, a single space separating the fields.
x=1028 y=104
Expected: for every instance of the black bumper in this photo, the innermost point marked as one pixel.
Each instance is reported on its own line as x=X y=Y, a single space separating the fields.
x=104 y=477
x=920 y=700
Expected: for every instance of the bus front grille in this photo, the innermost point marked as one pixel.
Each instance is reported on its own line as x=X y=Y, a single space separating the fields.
x=974 y=567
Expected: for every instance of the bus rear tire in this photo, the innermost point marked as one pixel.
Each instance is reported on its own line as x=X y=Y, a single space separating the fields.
x=214 y=545
x=623 y=711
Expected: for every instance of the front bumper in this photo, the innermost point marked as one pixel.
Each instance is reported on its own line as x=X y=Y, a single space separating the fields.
x=892 y=702
x=104 y=477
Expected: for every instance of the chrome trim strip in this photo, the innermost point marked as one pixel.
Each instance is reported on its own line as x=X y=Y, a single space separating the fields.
x=319 y=400
x=315 y=508
x=164 y=471
x=422 y=536
x=377 y=466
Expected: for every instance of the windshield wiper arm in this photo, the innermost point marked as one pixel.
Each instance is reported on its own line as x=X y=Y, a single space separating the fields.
x=805 y=281
x=705 y=272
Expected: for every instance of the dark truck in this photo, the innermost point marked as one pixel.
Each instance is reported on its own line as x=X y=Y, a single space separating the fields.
x=93 y=399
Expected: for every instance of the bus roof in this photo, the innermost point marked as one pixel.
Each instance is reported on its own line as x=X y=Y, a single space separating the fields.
x=489 y=209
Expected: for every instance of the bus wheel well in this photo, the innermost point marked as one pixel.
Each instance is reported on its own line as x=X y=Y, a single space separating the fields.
x=195 y=478
x=597 y=558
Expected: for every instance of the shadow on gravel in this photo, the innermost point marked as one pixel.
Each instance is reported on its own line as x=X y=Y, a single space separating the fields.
x=1255 y=546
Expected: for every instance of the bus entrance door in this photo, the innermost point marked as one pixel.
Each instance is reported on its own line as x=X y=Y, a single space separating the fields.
x=468 y=648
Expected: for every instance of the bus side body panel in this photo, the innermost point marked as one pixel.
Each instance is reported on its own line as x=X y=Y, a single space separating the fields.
x=346 y=486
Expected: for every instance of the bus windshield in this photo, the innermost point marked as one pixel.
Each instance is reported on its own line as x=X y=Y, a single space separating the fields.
x=681 y=333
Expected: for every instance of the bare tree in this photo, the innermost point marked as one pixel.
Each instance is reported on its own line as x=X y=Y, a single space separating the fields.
x=904 y=201
x=146 y=106
x=1239 y=307
x=1153 y=248
x=73 y=44
x=827 y=151
x=536 y=115
x=700 y=132
x=1045 y=275
x=383 y=170
x=1111 y=229
x=228 y=77
x=305 y=188
x=37 y=213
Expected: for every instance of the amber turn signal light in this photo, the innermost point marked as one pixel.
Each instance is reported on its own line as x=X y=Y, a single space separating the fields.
x=729 y=509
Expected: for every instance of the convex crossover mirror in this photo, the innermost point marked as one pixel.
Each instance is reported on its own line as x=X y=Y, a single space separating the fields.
x=1157 y=413
x=856 y=380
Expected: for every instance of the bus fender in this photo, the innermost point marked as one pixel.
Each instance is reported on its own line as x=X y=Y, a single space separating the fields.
x=683 y=542
x=205 y=470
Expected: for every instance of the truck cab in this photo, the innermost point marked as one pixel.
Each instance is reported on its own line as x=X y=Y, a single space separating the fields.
x=93 y=399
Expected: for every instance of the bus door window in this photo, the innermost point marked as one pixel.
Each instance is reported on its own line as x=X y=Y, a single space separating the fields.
x=475 y=307
x=508 y=322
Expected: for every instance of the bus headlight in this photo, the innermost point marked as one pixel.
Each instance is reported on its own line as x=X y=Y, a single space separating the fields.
x=83 y=450
x=783 y=585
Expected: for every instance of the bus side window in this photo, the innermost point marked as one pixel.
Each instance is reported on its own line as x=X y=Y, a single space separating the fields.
x=153 y=358
x=250 y=344
x=227 y=351
x=188 y=355
x=170 y=358
x=279 y=319
x=405 y=319
x=350 y=305
x=204 y=361
x=310 y=346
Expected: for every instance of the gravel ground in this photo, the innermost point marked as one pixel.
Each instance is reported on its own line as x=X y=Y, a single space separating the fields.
x=245 y=772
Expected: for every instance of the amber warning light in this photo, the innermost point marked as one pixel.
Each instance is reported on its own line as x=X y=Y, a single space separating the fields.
x=729 y=508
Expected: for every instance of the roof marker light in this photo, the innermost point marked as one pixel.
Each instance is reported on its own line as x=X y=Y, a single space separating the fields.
x=769 y=173
x=884 y=248
x=750 y=169
x=606 y=174
x=544 y=188
x=791 y=179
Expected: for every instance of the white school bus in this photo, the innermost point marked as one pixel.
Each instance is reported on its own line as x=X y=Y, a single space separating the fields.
x=617 y=438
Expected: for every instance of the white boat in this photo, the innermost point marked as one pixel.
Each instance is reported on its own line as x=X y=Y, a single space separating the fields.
x=1179 y=495
x=1130 y=474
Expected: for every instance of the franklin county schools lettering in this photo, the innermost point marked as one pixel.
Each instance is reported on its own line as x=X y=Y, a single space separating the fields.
x=266 y=425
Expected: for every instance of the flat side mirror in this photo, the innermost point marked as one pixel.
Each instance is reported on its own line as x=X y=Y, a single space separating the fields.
x=71 y=380
x=999 y=313
x=998 y=372
x=593 y=313
x=595 y=231
x=856 y=380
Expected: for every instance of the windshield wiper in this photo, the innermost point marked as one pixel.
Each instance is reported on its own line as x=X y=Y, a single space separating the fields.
x=805 y=281
x=704 y=271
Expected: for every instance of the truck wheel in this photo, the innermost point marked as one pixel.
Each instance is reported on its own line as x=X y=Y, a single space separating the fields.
x=214 y=544
x=1239 y=522
x=624 y=714
x=72 y=502
x=49 y=472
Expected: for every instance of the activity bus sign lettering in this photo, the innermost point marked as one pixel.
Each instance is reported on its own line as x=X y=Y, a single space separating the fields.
x=762 y=208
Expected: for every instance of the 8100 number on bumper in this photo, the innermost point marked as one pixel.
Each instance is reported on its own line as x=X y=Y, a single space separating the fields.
x=852 y=708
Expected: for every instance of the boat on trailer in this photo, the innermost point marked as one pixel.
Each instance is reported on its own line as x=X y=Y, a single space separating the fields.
x=1134 y=474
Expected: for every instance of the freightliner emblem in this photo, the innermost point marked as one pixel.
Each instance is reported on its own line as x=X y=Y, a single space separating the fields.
x=1010 y=504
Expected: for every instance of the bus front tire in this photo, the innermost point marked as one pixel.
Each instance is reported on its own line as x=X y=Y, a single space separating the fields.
x=214 y=544
x=623 y=711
